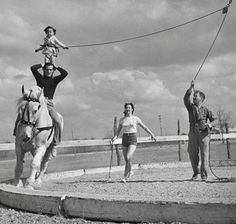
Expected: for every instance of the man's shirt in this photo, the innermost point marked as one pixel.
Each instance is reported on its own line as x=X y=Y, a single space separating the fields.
x=49 y=84
x=198 y=117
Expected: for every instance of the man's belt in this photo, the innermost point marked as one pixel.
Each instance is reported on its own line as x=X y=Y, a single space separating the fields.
x=201 y=128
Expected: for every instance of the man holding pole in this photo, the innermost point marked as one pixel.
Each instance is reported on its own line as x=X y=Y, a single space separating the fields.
x=200 y=120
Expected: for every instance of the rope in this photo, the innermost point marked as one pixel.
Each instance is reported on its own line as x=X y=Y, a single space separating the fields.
x=204 y=60
x=149 y=34
x=226 y=179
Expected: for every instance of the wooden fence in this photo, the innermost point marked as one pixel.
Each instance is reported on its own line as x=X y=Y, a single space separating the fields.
x=161 y=140
x=97 y=142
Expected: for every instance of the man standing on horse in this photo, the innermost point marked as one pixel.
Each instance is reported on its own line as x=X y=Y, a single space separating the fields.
x=49 y=84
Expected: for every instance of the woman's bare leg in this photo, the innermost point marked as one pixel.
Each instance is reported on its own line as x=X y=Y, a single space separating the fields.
x=128 y=154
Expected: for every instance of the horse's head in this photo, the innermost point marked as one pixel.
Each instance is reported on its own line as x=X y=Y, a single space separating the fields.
x=31 y=102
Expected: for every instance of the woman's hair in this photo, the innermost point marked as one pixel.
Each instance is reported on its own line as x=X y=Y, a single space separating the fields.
x=131 y=104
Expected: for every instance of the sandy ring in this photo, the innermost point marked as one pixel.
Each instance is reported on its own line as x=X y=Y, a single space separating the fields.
x=123 y=208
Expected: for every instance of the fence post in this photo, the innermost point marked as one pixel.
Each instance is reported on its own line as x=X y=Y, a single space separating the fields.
x=179 y=146
x=116 y=146
x=227 y=141
x=72 y=136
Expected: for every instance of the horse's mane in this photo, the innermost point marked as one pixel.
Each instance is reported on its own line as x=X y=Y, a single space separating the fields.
x=34 y=93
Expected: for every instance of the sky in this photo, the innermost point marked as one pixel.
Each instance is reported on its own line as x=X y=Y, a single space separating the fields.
x=153 y=72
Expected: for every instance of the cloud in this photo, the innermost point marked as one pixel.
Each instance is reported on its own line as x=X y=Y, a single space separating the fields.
x=130 y=85
x=73 y=103
x=219 y=65
x=12 y=72
x=20 y=77
x=74 y=95
x=67 y=86
x=15 y=32
x=11 y=80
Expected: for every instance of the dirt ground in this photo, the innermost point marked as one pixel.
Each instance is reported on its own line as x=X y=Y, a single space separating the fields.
x=165 y=184
x=158 y=184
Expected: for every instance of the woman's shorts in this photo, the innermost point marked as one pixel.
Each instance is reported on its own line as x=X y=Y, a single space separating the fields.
x=129 y=139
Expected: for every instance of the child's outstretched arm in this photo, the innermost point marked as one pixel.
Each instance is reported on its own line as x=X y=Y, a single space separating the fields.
x=39 y=49
x=60 y=44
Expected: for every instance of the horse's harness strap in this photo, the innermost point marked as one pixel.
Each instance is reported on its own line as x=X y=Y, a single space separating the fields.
x=50 y=133
x=46 y=128
x=27 y=123
x=33 y=124
x=30 y=99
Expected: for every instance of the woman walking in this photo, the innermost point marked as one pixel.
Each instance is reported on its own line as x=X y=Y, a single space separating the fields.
x=128 y=124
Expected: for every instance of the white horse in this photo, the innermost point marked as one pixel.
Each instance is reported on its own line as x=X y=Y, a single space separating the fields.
x=34 y=134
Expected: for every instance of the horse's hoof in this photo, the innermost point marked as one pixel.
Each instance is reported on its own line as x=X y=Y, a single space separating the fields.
x=18 y=183
x=29 y=184
x=38 y=182
x=29 y=187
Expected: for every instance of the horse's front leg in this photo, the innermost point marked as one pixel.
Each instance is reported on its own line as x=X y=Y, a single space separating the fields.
x=19 y=165
x=44 y=165
x=35 y=165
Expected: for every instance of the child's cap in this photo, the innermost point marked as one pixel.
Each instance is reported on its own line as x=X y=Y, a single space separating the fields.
x=50 y=27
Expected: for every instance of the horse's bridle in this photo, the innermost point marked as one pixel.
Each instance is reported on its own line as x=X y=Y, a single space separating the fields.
x=30 y=123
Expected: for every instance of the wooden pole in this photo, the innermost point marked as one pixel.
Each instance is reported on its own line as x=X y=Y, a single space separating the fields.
x=179 y=144
x=227 y=141
x=72 y=136
x=159 y=117
x=116 y=146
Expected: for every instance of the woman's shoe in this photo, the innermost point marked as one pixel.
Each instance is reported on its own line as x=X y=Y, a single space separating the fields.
x=124 y=180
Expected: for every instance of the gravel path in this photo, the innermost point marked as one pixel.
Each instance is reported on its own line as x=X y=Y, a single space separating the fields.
x=158 y=184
